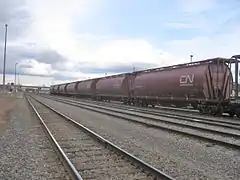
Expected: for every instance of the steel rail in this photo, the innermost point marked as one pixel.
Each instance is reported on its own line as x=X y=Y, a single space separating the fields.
x=158 y=120
x=224 y=143
x=67 y=163
x=180 y=116
x=154 y=171
x=192 y=118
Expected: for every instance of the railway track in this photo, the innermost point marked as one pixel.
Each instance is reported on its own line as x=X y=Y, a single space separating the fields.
x=184 y=113
x=227 y=137
x=226 y=122
x=177 y=110
x=192 y=118
x=188 y=118
x=88 y=155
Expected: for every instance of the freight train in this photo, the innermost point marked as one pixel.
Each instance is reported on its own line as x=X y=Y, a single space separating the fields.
x=206 y=85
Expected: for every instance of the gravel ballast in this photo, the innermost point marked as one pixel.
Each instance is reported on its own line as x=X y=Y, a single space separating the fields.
x=160 y=112
x=178 y=156
x=91 y=158
x=25 y=150
x=163 y=123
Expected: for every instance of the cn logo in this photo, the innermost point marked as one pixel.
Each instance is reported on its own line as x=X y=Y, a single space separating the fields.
x=187 y=80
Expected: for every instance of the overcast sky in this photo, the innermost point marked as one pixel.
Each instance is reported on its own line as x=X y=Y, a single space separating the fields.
x=66 y=40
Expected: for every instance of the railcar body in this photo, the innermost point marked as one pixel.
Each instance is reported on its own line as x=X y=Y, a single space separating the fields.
x=51 y=90
x=71 y=88
x=55 y=89
x=62 y=89
x=86 y=88
x=211 y=82
x=114 y=87
x=206 y=85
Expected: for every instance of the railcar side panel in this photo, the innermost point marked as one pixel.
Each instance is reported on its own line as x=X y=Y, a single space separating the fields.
x=86 y=87
x=71 y=88
x=62 y=89
x=115 y=86
x=182 y=83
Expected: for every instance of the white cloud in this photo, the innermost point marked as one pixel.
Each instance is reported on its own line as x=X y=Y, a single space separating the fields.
x=53 y=26
x=223 y=45
x=196 y=6
x=34 y=67
x=123 y=52
x=182 y=25
x=54 y=22
x=57 y=26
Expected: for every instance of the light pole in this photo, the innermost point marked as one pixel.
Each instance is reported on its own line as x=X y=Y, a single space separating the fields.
x=4 y=58
x=134 y=68
x=191 y=56
x=15 y=80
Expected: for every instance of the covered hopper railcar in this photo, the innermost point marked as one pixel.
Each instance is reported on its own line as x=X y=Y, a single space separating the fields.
x=86 y=88
x=195 y=84
x=206 y=85
x=71 y=88
x=54 y=89
x=117 y=87
x=51 y=90
x=62 y=89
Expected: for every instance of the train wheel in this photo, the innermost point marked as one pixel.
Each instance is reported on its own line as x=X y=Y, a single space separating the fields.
x=137 y=103
x=219 y=111
x=134 y=103
x=146 y=104
x=231 y=114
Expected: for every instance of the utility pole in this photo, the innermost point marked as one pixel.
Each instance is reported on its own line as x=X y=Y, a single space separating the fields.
x=134 y=69
x=15 y=76
x=191 y=56
x=4 y=58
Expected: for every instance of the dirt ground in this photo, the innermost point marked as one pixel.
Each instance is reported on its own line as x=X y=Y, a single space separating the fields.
x=6 y=105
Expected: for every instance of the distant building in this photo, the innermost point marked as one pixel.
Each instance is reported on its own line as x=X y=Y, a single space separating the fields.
x=11 y=87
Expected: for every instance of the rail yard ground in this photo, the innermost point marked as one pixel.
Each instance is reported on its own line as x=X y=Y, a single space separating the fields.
x=26 y=152
x=6 y=105
x=179 y=156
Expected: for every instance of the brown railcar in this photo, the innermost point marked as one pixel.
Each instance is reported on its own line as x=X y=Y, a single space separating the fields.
x=62 y=89
x=114 y=87
x=71 y=88
x=184 y=84
x=86 y=88
x=207 y=85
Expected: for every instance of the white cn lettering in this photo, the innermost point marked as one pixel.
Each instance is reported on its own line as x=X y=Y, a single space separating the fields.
x=187 y=80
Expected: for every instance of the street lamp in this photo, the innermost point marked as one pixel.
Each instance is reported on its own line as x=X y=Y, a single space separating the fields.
x=16 y=76
x=191 y=56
